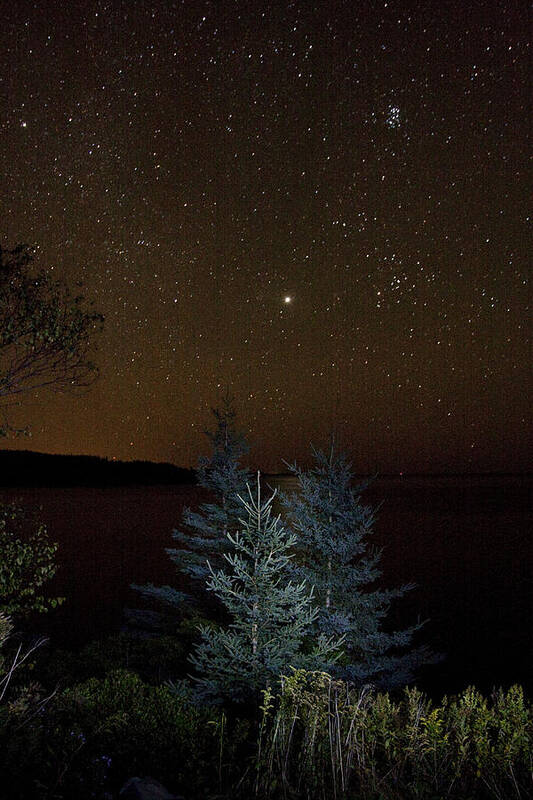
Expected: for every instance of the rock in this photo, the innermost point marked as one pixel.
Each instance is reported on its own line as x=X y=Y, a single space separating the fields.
x=146 y=789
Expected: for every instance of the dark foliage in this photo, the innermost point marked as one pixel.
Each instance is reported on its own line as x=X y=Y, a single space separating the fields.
x=46 y=332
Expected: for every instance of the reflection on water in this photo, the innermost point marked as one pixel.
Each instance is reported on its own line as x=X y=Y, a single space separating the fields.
x=466 y=542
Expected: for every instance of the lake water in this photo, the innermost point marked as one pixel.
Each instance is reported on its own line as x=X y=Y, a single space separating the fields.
x=465 y=542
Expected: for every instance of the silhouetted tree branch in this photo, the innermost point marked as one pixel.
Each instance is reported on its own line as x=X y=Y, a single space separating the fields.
x=45 y=331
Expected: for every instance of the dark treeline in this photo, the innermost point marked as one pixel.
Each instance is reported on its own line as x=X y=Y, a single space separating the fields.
x=27 y=468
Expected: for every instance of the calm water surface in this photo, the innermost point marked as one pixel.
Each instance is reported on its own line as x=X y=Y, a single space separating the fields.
x=466 y=543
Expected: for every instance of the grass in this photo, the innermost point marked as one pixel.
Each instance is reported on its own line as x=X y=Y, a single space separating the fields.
x=320 y=739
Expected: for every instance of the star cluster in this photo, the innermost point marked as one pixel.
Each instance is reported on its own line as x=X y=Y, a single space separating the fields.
x=320 y=206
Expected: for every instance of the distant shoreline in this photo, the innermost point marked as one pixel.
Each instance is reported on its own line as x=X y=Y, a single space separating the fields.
x=379 y=475
x=29 y=468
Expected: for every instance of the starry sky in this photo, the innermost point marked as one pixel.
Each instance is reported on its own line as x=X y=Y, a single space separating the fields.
x=321 y=207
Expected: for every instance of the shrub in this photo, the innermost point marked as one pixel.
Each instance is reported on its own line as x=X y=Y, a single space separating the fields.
x=99 y=733
x=27 y=563
x=154 y=659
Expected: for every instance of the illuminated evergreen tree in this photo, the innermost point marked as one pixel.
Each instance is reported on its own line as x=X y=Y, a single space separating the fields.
x=271 y=617
x=332 y=528
x=204 y=532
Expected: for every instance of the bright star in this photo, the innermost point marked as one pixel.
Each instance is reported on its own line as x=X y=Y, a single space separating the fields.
x=287 y=299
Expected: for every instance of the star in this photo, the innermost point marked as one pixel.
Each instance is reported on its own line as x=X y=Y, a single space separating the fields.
x=363 y=196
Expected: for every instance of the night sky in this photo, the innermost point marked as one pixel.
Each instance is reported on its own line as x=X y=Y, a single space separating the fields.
x=320 y=206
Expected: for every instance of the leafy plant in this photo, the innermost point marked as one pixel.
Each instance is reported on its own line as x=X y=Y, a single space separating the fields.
x=27 y=563
x=100 y=732
x=319 y=737
x=154 y=659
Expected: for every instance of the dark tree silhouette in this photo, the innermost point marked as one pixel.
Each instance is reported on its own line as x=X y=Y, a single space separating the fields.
x=45 y=331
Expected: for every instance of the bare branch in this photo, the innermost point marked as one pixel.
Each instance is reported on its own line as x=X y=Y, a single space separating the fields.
x=45 y=332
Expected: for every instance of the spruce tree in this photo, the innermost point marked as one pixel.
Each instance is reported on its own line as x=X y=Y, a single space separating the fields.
x=332 y=528
x=222 y=474
x=271 y=616
x=205 y=531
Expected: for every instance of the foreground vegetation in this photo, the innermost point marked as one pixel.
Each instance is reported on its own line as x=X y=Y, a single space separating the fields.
x=314 y=738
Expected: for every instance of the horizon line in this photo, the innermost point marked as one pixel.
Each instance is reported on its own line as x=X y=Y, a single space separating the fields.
x=388 y=474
